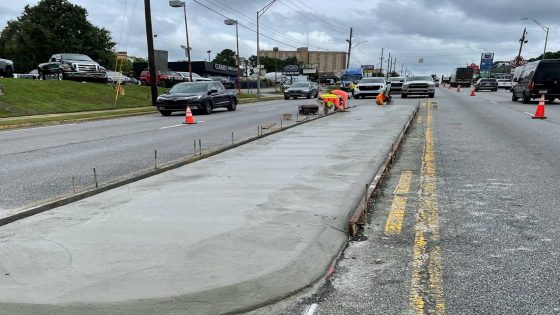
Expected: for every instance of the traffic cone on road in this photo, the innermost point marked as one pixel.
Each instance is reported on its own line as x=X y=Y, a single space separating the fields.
x=539 y=113
x=459 y=88
x=189 y=119
x=472 y=92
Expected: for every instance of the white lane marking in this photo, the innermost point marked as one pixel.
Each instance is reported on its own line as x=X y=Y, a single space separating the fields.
x=267 y=109
x=528 y=113
x=311 y=309
x=493 y=102
x=31 y=128
x=170 y=127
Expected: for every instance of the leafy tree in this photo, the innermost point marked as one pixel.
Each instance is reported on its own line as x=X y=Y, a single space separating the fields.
x=53 y=26
x=549 y=55
x=226 y=57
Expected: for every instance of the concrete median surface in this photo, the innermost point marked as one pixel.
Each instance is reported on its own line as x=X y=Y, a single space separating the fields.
x=225 y=234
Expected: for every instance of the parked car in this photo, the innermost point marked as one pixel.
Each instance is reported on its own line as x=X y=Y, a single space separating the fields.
x=114 y=77
x=396 y=83
x=418 y=85
x=6 y=68
x=537 y=78
x=72 y=67
x=201 y=96
x=370 y=87
x=504 y=84
x=33 y=74
x=187 y=77
x=301 y=89
x=163 y=78
x=486 y=84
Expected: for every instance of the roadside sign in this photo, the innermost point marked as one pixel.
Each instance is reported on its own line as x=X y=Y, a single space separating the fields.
x=290 y=70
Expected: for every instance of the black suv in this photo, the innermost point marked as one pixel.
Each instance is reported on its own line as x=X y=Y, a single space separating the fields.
x=202 y=96
x=535 y=79
x=486 y=84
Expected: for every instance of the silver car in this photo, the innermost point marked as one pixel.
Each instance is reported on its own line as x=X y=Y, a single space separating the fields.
x=418 y=85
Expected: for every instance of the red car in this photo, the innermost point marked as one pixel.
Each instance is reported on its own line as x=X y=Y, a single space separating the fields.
x=163 y=78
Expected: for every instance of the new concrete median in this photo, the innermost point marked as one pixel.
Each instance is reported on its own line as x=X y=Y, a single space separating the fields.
x=229 y=233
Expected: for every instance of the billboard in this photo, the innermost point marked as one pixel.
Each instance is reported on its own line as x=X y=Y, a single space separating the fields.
x=486 y=60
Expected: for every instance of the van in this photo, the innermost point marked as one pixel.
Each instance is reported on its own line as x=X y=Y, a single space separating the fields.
x=535 y=79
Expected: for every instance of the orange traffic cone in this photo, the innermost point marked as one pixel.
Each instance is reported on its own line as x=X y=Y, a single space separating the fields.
x=539 y=113
x=472 y=92
x=459 y=88
x=189 y=119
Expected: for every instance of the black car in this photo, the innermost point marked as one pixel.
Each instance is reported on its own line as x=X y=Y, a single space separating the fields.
x=486 y=84
x=201 y=96
x=301 y=89
x=535 y=79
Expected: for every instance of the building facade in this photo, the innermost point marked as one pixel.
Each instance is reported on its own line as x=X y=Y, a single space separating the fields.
x=325 y=61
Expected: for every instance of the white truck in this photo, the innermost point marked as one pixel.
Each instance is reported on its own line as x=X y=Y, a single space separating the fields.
x=6 y=68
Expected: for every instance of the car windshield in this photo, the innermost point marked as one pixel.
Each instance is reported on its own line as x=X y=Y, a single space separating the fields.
x=76 y=57
x=170 y=73
x=189 y=88
x=395 y=79
x=419 y=78
x=351 y=78
x=372 y=80
x=300 y=84
x=548 y=72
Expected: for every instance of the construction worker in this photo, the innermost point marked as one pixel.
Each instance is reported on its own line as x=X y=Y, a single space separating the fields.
x=382 y=98
x=344 y=96
x=329 y=100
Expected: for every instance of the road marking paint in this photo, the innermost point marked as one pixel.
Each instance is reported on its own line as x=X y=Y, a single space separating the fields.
x=161 y=128
x=426 y=294
x=419 y=120
x=311 y=309
x=267 y=109
x=396 y=215
x=493 y=102
x=528 y=114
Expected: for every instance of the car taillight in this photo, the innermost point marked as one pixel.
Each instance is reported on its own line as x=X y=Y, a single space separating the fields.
x=532 y=86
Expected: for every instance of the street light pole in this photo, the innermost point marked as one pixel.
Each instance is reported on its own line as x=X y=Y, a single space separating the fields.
x=231 y=22
x=259 y=14
x=544 y=28
x=208 y=51
x=275 y=49
x=178 y=4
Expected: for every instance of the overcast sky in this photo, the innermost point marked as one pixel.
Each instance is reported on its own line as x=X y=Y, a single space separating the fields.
x=445 y=33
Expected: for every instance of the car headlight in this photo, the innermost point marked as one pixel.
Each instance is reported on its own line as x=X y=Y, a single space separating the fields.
x=66 y=67
x=194 y=98
x=305 y=91
x=102 y=69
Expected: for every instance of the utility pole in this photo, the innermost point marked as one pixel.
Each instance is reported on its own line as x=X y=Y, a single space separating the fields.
x=402 y=67
x=349 y=49
x=381 y=63
x=394 y=64
x=150 y=40
x=521 y=42
x=388 y=65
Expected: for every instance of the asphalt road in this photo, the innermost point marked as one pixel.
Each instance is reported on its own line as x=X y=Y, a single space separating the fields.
x=39 y=163
x=479 y=233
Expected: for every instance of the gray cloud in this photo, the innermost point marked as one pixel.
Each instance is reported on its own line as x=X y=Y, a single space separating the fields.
x=446 y=33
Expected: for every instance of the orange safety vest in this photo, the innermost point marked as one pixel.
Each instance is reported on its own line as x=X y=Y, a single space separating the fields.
x=330 y=99
x=380 y=99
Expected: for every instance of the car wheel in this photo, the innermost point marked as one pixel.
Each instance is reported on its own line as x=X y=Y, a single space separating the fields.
x=309 y=95
x=286 y=97
x=9 y=72
x=513 y=97
x=232 y=105
x=165 y=112
x=526 y=98
x=495 y=90
x=476 y=89
x=60 y=76
x=431 y=95
x=403 y=95
x=207 y=108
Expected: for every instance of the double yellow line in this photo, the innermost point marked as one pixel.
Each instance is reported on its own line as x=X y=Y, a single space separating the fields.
x=426 y=295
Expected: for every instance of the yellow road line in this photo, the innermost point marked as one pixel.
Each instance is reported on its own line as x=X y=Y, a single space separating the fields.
x=396 y=215
x=426 y=295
